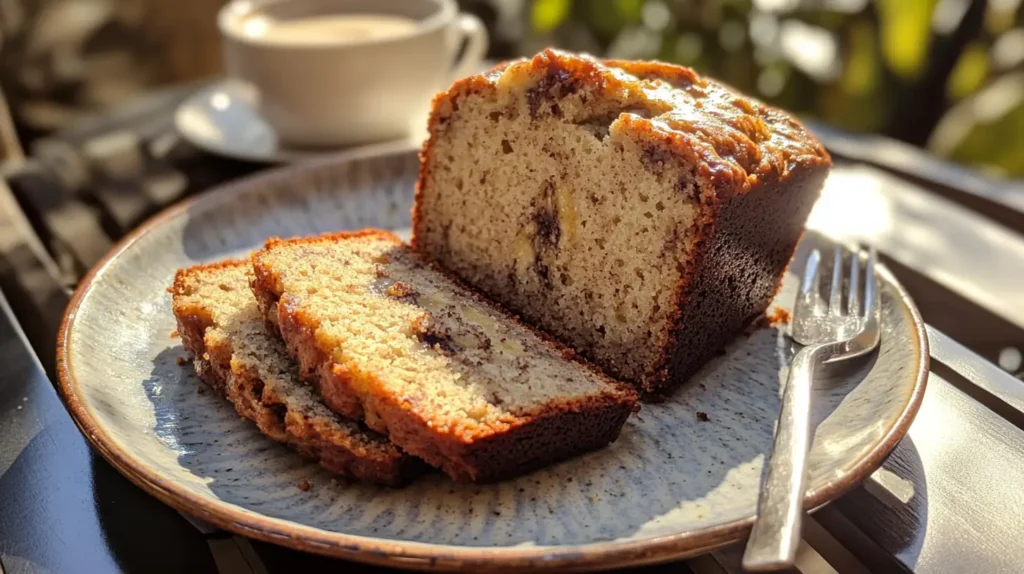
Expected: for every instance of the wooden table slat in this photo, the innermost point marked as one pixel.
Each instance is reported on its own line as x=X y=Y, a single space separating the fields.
x=831 y=549
x=980 y=373
x=998 y=198
x=958 y=504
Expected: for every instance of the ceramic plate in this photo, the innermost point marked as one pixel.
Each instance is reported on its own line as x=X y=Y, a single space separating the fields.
x=673 y=485
x=223 y=119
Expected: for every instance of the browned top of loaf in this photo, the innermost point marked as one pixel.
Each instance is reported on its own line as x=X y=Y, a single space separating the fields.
x=737 y=139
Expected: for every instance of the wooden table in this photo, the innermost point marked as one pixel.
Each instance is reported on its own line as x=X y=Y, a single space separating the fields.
x=950 y=498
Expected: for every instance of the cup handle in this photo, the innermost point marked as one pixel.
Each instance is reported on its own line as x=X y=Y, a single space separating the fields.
x=473 y=31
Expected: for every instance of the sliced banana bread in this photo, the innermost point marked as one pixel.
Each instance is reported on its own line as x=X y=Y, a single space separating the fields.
x=221 y=326
x=449 y=377
x=639 y=213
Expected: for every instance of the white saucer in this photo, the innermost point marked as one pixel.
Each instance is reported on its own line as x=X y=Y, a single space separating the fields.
x=222 y=119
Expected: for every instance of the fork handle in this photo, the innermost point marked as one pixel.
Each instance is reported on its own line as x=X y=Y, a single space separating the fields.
x=776 y=534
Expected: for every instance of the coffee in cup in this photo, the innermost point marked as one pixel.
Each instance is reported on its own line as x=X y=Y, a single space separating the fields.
x=346 y=72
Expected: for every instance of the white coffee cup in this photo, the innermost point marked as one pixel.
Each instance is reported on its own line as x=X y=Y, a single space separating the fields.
x=344 y=91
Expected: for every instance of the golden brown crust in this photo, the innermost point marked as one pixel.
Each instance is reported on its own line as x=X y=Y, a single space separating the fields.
x=313 y=437
x=737 y=139
x=484 y=454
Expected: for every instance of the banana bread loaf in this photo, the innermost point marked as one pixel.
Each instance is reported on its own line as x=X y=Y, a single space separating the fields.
x=639 y=213
x=221 y=326
x=449 y=377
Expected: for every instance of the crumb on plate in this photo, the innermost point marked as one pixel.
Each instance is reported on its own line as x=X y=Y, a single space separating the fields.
x=777 y=316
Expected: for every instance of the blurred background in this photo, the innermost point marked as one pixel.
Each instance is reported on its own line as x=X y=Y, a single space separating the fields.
x=944 y=75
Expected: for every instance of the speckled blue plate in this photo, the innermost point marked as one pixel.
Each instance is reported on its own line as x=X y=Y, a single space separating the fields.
x=673 y=485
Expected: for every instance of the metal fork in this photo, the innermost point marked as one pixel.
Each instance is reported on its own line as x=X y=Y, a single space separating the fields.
x=831 y=330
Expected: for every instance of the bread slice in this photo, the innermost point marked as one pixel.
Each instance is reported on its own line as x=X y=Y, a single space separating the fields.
x=638 y=212
x=446 y=375
x=221 y=326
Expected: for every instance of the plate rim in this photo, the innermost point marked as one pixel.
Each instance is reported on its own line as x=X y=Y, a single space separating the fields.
x=422 y=555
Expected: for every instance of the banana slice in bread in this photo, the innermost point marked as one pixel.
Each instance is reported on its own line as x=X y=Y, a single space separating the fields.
x=221 y=326
x=448 y=376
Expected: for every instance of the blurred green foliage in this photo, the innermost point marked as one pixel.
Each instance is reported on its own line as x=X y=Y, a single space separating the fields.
x=905 y=26
x=547 y=15
x=924 y=71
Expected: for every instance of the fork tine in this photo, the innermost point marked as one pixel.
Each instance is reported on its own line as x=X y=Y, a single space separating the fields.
x=870 y=288
x=853 y=299
x=835 y=293
x=810 y=279
x=810 y=292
